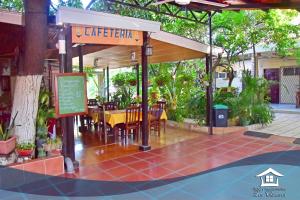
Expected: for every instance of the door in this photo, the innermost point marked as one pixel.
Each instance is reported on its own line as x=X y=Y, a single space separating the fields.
x=273 y=75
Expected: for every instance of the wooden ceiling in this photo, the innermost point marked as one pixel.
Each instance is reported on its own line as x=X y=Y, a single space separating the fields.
x=120 y=56
x=246 y=4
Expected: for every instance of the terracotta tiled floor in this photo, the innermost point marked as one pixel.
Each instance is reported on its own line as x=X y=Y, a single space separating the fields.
x=195 y=153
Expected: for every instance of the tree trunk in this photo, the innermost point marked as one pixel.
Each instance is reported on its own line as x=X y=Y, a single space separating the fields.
x=28 y=81
x=25 y=103
x=254 y=61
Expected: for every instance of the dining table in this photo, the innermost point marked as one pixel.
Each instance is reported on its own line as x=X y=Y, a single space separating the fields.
x=114 y=117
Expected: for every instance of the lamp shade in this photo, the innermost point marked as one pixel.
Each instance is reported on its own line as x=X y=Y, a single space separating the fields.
x=149 y=50
x=183 y=2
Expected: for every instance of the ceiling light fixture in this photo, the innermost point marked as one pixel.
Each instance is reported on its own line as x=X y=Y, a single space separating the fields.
x=183 y=2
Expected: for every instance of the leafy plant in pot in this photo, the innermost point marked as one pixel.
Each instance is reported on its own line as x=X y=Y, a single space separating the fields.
x=25 y=149
x=53 y=146
x=44 y=113
x=7 y=140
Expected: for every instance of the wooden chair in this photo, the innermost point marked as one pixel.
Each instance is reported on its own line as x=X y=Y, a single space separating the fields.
x=102 y=122
x=155 y=112
x=163 y=105
x=92 y=102
x=110 y=106
x=133 y=117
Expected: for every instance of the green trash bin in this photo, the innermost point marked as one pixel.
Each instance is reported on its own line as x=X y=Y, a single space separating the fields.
x=220 y=115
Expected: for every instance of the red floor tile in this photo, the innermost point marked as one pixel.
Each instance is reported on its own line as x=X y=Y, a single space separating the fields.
x=87 y=170
x=135 y=177
x=126 y=160
x=157 y=172
x=120 y=171
x=106 y=165
x=141 y=165
x=103 y=176
x=175 y=165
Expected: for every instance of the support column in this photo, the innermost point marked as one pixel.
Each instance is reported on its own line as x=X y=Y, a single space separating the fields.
x=137 y=67
x=80 y=57
x=107 y=82
x=68 y=122
x=207 y=91
x=145 y=129
x=210 y=89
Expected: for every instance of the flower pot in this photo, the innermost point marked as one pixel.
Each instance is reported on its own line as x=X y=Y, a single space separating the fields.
x=7 y=146
x=132 y=82
x=24 y=152
x=54 y=152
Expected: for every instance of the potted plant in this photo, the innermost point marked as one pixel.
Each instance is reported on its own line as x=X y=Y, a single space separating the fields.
x=137 y=100
x=25 y=149
x=44 y=114
x=53 y=146
x=7 y=140
x=131 y=78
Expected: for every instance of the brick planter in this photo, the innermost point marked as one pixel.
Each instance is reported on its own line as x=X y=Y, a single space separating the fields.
x=51 y=166
x=7 y=146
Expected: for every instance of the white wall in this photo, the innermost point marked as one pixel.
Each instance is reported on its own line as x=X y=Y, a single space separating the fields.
x=288 y=84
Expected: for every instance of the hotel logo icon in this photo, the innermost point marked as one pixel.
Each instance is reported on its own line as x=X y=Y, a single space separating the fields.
x=269 y=178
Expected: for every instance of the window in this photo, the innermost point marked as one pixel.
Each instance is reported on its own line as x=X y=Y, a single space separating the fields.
x=222 y=75
x=269 y=179
x=289 y=71
x=298 y=71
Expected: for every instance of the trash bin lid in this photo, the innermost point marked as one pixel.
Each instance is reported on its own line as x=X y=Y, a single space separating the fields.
x=220 y=106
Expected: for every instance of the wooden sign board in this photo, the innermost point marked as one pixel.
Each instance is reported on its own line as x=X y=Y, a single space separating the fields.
x=70 y=94
x=105 y=35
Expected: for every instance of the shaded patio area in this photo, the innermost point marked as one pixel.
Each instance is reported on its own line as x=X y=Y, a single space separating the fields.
x=177 y=171
x=194 y=154
x=89 y=149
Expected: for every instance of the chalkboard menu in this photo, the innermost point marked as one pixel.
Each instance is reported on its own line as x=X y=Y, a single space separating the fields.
x=70 y=94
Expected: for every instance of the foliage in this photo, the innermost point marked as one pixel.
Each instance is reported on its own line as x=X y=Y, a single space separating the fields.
x=252 y=105
x=238 y=32
x=44 y=113
x=25 y=146
x=137 y=99
x=53 y=144
x=125 y=90
x=6 y=130
x=71 y=3
x=175 y=82
x=16 y=5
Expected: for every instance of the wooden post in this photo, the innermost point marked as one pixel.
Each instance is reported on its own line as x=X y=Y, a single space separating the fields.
x=210 y=89
x=80 y=57
x=207 y=91
x=137 y=79
x=145 y=129
x=69 y=121
x=107 y=82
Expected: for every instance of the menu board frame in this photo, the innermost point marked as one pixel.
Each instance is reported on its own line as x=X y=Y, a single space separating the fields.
x=56 y=94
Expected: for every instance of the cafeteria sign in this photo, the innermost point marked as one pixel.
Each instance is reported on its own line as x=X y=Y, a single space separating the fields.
x=105 y=35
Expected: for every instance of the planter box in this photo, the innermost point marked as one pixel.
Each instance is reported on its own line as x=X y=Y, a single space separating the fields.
x=7 y=146
x=24 y=152
x=191 y=125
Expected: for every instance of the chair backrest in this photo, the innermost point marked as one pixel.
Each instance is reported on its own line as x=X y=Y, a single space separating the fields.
x=92 y=102
x=102 y=118
x=162 y=104
x=110 y=106
x=155 y=112
x=133 y=115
